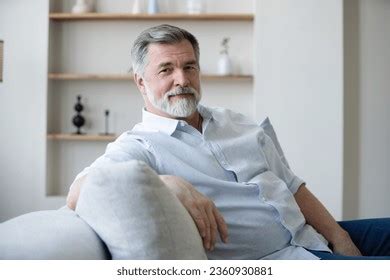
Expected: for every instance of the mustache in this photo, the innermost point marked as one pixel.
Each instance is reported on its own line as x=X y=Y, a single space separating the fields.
x=182 y=90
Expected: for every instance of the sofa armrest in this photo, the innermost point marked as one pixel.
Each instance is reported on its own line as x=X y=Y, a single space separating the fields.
x=136 y=215
x=53 y=234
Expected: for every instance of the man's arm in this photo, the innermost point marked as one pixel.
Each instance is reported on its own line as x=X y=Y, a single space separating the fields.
x=126 y=147
x=318 y=216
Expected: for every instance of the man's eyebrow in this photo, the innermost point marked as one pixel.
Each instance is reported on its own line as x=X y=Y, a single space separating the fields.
x=164 y=64
x=190 y=62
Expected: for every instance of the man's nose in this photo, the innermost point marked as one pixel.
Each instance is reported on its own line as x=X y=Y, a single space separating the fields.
x=181 y=78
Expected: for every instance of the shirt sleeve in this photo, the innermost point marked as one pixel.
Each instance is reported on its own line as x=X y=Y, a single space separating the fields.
x=277 y=166
x=126 y=147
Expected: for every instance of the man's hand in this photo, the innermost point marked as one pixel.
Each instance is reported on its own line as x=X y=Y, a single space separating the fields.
x=74 y=192
x=318 y=216
x=206 y=216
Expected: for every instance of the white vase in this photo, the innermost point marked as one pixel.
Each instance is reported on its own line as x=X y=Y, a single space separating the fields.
x=82 y=6
x=138 y=7
x=152 y=7
x=224 y=65
x=195 y=6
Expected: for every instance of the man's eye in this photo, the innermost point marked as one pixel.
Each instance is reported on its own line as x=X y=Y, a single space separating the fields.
x=165 y=71
x=190 y=67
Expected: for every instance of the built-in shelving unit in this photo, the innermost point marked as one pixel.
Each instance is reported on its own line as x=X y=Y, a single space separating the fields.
x=81 y=137
x=162 y=16
x=129 y=77
x=89 y=55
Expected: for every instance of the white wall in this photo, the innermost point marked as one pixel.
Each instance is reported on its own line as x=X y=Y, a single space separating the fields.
x=23 y=27
x=299 y=85
x=368 y=92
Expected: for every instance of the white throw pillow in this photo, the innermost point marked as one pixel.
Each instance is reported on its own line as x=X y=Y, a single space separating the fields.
x=136 y=215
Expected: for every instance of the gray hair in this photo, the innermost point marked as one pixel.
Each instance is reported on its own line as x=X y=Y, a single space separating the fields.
x=161 y=34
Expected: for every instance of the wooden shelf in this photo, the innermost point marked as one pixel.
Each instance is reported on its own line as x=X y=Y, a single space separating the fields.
x=129 y=77
x=243 y=78
x=83 y=137
x=162 y=16
x=75 y=76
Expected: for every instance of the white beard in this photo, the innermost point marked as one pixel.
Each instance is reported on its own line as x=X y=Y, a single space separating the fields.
x=182 y=107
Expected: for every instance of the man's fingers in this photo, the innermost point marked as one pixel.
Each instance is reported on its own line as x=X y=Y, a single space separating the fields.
x=207 y=238
x=209 y=222
x=201 y=220
x=198 y=219
x=222 y=227
x=213 y=227
x=74 y=192
x=202 y=210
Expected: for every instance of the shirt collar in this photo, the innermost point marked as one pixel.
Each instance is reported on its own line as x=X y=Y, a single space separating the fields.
x=153 y=122
x=205 y=112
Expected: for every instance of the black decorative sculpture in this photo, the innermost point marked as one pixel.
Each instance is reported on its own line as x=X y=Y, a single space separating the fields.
x=78 y=120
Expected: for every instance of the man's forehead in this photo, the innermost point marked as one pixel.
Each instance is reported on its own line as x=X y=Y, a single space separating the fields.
x=180 y=48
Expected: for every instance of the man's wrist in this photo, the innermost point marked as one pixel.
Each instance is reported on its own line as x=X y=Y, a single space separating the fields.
x=338 y=236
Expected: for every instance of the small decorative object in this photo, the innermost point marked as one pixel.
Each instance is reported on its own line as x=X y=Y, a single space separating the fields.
x=1 y=59
x=153 y=6
x=83 y=6
x=195 y=6
x=78 y=120
x=224 y=62
x=106 y=115
x=137 y=7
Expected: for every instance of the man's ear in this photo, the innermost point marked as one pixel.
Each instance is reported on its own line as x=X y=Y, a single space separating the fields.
x=139 y=81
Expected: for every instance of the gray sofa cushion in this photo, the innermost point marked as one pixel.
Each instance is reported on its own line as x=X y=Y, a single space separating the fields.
x=136 y=215
x=55 y=234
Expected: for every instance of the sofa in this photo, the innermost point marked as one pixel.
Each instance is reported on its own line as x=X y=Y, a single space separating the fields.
x=124 y=212
x=50 y=235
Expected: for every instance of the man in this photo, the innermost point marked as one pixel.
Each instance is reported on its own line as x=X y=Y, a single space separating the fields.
x=224 y=169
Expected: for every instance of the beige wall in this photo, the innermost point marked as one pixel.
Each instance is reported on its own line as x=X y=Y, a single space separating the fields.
x=367 y=103
x=23 y=27
x=299 y=84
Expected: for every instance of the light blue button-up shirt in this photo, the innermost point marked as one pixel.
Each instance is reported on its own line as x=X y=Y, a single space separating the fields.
x=235 y=163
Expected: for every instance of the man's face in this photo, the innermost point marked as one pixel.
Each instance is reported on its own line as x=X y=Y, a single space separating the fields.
x=171 y=84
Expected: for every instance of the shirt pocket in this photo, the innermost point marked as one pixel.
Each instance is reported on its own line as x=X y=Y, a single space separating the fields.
x=244 y=154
